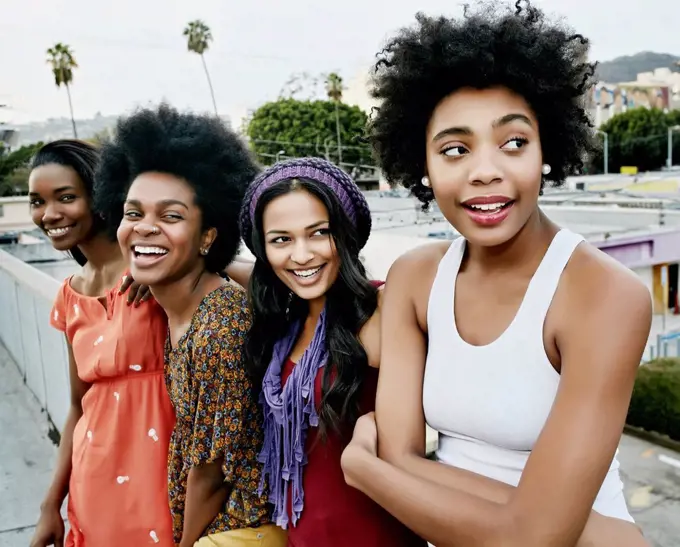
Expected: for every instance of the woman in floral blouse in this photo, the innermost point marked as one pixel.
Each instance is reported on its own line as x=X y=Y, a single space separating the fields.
x=182 y=177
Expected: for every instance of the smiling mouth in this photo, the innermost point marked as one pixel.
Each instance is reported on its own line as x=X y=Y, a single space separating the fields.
x=58 y=232
x=308 y=273
x=488 y=207
x=142 y=250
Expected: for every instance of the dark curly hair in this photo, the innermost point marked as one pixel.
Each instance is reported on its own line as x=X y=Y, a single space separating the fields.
x=213 y=160
x=82 y=157
x=544 y=63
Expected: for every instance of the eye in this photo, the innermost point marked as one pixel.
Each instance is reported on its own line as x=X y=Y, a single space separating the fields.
x=172 y=217
x=131 y=214
x=67 y=198
x=454 y=151
x=515 y=143
x=35 y=202
x=280 y=239
x=325 y=232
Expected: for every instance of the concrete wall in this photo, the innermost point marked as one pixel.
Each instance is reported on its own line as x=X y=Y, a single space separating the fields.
x=26 y=296
x=15 y=214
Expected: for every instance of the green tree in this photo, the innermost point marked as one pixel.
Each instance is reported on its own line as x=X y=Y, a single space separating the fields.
x=637 y=137
x=60 y=58
x=334 y=90
x=308 y=128
x=13 y=168
x=198 y=39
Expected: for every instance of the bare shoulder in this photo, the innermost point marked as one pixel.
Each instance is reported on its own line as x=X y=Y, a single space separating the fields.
x=606 y=312
x=421 y=262
x=594 y=277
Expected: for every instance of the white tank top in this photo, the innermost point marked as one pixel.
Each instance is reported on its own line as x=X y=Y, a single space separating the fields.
x=489 y=403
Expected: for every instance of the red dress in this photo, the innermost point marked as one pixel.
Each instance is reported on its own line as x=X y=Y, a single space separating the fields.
x=335 y=514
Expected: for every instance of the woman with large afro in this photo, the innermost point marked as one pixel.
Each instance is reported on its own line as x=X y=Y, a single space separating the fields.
x=172 y=183
x=518 y=342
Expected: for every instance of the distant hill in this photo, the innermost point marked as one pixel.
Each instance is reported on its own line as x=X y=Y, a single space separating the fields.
x=626 y=68
x=60 y=128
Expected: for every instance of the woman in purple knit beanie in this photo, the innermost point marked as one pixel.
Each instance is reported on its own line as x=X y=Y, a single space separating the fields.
x=314 y=347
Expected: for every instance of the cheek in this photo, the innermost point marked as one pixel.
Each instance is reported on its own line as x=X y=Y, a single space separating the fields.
x=276 y=257
x=36 y=216
x=123 y=234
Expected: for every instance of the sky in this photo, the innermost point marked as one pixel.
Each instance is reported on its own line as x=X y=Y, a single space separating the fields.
x=132 y=52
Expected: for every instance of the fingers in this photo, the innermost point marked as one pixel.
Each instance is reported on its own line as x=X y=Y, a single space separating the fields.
x=125 y=285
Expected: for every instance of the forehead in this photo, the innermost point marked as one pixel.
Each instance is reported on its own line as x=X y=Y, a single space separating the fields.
x=477 y=108
x=152 y=187
x=297 y=209
x=53 y=175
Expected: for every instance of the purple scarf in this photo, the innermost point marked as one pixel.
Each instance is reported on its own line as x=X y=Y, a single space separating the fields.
x=288 y=413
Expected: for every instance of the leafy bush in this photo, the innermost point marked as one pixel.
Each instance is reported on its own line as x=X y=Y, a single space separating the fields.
x=655 y=405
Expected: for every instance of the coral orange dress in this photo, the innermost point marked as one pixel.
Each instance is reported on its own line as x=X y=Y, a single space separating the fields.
x=118 y=494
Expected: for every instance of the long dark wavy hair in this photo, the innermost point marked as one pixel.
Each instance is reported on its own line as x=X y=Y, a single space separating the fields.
x=350 y=302
x=83 y=158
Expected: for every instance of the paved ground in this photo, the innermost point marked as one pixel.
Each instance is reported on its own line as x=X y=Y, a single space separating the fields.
x=651 y=474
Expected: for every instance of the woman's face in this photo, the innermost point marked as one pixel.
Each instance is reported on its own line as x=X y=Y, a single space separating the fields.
x=60 y=205
x=161 y=231
x=299 y=245
x=484 y=163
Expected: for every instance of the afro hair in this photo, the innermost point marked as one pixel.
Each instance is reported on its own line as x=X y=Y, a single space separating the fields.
x=199 y=149
x=544 y=63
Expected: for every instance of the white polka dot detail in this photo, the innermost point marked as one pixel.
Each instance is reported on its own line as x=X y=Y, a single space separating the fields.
x=121 y=479
x=89 y=436
x=152 y=434
x=76 y=309
x=56 y=315
x=154 y=536
x=98 y=340
x=136 y=368
x=116 y=395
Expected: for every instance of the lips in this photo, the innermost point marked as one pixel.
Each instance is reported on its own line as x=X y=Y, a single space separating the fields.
x=61 y=231
x=144 y=256
x=307 y=276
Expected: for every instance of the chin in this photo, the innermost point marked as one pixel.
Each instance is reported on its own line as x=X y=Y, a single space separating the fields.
x=310 y=293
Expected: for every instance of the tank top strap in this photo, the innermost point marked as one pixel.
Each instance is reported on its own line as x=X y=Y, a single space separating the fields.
x=544 y=283
x=440 y=303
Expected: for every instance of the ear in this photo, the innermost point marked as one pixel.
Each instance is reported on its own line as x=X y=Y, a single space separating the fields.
x=208 y=238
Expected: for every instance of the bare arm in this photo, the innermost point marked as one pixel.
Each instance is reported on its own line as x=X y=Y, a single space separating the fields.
x=589 y=412
x=59 y=488
x=206 y=496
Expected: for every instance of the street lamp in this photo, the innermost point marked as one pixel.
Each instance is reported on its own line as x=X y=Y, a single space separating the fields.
x=670 y=144
x=606 y=150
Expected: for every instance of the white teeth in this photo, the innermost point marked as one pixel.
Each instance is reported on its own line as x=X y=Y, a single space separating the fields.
x=487 y=206
x=306 y=273
x=58 y=231
x=149 y=250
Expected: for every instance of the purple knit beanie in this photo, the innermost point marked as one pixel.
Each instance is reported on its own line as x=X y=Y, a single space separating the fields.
x=345 y=189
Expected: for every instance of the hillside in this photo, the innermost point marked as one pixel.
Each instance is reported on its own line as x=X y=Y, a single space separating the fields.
x=626 y=68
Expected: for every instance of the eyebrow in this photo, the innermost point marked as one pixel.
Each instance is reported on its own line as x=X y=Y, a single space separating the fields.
x=310 y=227
x=466 y=131
x=56 y=190
x=163 y=203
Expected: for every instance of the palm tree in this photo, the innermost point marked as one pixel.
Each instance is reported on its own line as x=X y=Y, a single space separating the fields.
x=61 y=59
x=199 y=37
x=334 y=90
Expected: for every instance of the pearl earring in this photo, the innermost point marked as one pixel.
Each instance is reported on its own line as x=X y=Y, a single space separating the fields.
x=425 y=181
x=204 y=252
x=546 y=169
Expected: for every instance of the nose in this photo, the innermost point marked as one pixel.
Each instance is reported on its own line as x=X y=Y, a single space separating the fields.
x=144 y=229
x=51 y=214
x=484 y=166
x=301 y=254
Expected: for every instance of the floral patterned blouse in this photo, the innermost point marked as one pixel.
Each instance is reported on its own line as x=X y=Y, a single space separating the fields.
x=217 y=413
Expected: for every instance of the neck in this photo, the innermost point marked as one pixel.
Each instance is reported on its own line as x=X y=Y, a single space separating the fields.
x=181 y=297
x=100 y=252
x=521 y=249
x=315 y=308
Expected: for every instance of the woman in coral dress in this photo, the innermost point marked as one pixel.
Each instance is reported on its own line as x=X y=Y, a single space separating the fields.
x=113 y=453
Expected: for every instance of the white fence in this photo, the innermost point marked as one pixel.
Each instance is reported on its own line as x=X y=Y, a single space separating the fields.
x=26 y=296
